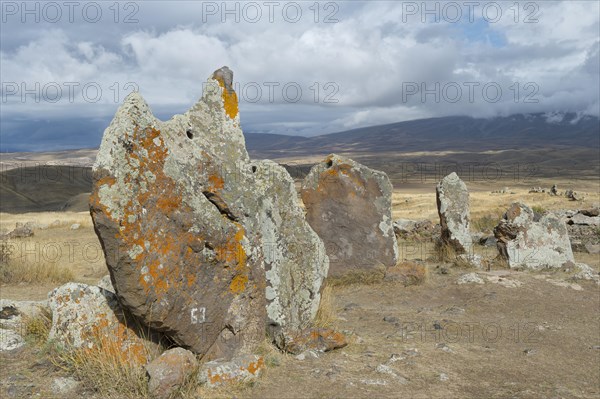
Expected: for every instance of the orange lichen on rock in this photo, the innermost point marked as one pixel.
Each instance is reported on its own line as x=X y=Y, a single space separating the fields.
x=241 y=369
x=230 y=100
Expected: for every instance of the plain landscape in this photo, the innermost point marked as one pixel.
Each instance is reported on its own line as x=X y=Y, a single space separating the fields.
x=518 y=334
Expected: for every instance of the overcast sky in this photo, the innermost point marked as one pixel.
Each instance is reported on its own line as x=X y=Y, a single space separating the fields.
x=301 y=68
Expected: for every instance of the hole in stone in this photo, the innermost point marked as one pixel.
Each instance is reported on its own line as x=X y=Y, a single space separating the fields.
x=189 y=134
x=253 y=169
x=329 y=163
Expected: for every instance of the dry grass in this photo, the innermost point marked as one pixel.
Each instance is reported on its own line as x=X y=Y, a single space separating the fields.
x=54 y=254
x=37 y=328
x=15 y=272
x=65 y=219
x=363 y=277
x=445 y=253
x=107 y=369
x=408 y=273
x=327 y=314
x=417 y=203
x=486 y=223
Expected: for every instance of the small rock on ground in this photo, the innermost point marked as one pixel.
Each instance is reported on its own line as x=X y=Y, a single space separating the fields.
x=10 y=340
x=470 y=278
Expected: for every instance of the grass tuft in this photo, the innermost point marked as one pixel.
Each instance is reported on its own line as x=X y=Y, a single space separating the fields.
x=107 y=369
x=408 y=273
x=37 y=328
x=327 y=313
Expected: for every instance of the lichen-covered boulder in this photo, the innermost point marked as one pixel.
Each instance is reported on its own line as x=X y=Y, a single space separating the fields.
x=173 y=206
x=241 y=369
x=524 y=243
x=452 y=199
x=195 y=234
x=349 y=206
x=294 y=255
x=84 y=316
x=10 y=340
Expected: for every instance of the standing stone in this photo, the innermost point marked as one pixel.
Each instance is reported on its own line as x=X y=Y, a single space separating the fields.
x=349 y=207
x=188 y=224
x=171 y=205
x=294 y=255
x=524 y=243
x=453 y=208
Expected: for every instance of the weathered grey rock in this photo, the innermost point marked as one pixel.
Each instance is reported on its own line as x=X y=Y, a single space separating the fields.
x=470 y=278
x=64 y=385
x=525 y=243
x=537 y=190
x=592 y=248
x=190 y=226
x=585 y=272
x=453 y=208
x=173 y=206
x=75 y=226
x=294 y=255
x=404 y=226
x=106 y=284
x=554 y=190
x=84 y=315
x=10 y=340
x=583 y=220
x=219 y=372
x=594 y=211
x=349 y=207
x=416 y=230
x=14 y=313
x=169 y=372
x=574 y=195
x=21 y=231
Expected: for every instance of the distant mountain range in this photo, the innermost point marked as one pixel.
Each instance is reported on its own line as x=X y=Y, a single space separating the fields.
x=453 y=133
x=527 y=146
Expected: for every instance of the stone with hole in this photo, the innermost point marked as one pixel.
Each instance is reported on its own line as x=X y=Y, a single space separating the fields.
x=193 y=230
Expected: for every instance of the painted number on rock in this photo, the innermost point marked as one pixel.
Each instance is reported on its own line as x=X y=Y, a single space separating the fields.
x=198 y=315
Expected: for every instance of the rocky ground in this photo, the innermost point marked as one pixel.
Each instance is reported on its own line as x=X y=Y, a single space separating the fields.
x=516 y=334
x=462 y=333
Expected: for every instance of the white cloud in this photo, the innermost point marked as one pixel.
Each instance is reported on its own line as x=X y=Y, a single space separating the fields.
x=370 y=56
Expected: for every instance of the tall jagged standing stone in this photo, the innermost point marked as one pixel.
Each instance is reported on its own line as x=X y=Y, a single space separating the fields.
x=452 y=199
x=349 y=207
x=525 y=243
x=180 y=211
x=295 y=259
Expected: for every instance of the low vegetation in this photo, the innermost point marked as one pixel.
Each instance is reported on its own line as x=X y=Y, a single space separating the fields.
x=30 y=271
x=486 y=223
x=327 y=314
x=106 y=368
x=538 y=209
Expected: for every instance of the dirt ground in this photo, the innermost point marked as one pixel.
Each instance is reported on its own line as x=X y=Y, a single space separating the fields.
x=518 y=335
